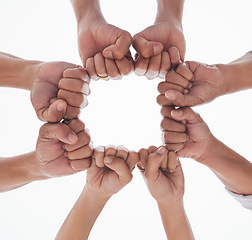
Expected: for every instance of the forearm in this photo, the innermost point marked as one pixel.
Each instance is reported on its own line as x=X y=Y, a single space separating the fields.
x=170 y=11
x=232 y=169
x=237 y=75
x=175 y=221
x=86 y=9
x=82 y=217
x=18 y=171
x=16 y=72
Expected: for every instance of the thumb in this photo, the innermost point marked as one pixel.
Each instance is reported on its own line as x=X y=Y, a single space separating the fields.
x=182 y=100
x=154 y=162
x=187 y=114
x=59 y=131
x=147 y=48
x=54 y=113
x=120 y=48
x=119 y=166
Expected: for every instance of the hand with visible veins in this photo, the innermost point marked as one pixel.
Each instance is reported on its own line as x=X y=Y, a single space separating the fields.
x=167 y=188
x=50 y=98
x=63 y=149
x=158 y=65
x=99 y=67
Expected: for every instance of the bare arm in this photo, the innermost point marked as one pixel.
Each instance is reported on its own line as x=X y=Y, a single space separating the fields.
x=16 y=72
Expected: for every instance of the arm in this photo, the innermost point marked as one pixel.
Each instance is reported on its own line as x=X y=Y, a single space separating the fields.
x=233 y=170
x=57 y=154
x=16 y=72
x=167 y=188
x=92 y=28
x=101 y=183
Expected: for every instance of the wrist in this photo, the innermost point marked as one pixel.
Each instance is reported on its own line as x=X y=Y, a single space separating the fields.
x=170 y=12
x=87 y=11
x=94 y=196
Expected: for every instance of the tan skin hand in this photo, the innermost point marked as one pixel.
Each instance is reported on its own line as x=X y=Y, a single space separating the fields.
x=100 y=37
x=52 y=143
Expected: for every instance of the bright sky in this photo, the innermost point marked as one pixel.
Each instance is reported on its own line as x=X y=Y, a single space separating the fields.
x=124 y=112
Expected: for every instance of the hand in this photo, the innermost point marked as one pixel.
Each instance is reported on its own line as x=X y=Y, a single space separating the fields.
x=97 y=36
x=159 y=37
x=196 y=138
x=116 y=173
x=45 y=90
x=63 y=150
x=165 y=186
x=99 y=67
x=183 y=88
x=158 y=65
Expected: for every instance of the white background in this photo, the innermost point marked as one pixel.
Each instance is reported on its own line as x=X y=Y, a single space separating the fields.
x=124 y=112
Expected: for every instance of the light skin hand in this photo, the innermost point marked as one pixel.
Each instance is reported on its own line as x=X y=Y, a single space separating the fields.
x=95 y=35
x=99 y=67
x=63 y=149
x=232 y=169
x=45 y=94
x=168 y=190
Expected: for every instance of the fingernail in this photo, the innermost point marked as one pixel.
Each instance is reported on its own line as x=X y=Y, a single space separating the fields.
x=108 y=54
x=60 y=106
x=108 y=160
x=170 y=96
x=99 y=149
x=161 y=150
x=177 y=112
x=72 y=137
x=84 y=103
x=155 y=50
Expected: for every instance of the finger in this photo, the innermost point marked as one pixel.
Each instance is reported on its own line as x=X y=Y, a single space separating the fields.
x=172 y=161
x=151 y=149
x=143 y=157
x=163 y=87
x=100 y=67
x=169 y=124
x=120 y=167
x=72 y=98
x=163 y=101
x=77 y=73
x=175 y=78
x=141 y=66
x=112 y=70
x=83 y=140
x=125 y=66
x=76 y=125
x=132 y=160
x=154 y=163
x=59 y=132
x=98 y=155
x=81 y=164
x=110 y=150
x=74 y=85
x=146 y=48
x=82 y=152
x=187 y=114
x=164 y=162
x=154 y=67
x=120 y=48
x=174 y=146
x=165 y=64
x=174 y=137
x=90 y=66
x=122 y=152
x=54 y=113
x=166 y=111
x=174 y=56
x=184 y=71
x=181 y=100
x=72 y=112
